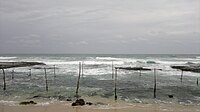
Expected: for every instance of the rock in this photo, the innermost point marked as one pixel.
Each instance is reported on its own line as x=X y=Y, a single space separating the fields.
x=27 y=103
x=88 y=103
x=78 y=102
x=151 y=62
x=170 y=96
x=69 y=99
x=134 y=68
x=4 y=65
x=188 y=67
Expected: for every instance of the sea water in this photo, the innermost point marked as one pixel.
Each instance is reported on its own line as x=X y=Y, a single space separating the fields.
x=96 y=77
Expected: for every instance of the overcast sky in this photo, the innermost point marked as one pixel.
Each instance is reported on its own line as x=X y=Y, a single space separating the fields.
x=100 y=26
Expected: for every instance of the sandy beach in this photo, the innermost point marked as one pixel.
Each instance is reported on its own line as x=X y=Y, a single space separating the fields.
x=98 y=106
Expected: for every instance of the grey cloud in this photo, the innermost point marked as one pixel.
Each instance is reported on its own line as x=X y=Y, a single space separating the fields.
x=100 y=26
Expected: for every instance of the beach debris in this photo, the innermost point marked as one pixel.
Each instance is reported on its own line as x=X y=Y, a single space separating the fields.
x=134 y=68
x=27 y=102
x=78 y=102
x=6 y=65
x=170 y=96
x=192 y=67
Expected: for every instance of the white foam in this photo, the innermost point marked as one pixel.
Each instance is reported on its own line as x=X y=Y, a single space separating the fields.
x=85 y=62
x=7 y=58
x=107 y=58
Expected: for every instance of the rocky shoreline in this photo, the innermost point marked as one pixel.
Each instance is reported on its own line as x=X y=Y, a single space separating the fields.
x=5 y=65
x=192 y=67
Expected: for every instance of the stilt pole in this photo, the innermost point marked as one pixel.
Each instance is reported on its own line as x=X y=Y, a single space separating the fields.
x=46 y=81
x=154 y=83
x=112 y=70
x=4 y=80
x=54 y=70
x=77 y=86
x=115 y=83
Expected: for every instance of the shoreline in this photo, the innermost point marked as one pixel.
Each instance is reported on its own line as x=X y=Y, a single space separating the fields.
x=99 y=105
x=112 y=107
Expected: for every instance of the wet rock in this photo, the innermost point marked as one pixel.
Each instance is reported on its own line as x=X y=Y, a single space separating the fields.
x=134 y=68
x=4 y=65
x=188 y=67
x=88 y=103
x=78 y=102
x=27 y=102
x=170 y=96
x=151 y=62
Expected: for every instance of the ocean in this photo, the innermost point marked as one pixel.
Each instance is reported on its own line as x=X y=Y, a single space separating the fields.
x=96 y=78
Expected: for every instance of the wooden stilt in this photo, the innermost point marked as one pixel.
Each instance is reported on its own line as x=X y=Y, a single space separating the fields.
x=115 y=83
x=30 y=73
x=46 y=81
x=77 y=86
x=154 y=83
x=4 y=80
x=181 y=75
x=112 y=70
x=12 y=74
x=82 y=68
x=54 y=70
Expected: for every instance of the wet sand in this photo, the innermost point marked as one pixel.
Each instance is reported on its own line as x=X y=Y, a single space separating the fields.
x=107 y=106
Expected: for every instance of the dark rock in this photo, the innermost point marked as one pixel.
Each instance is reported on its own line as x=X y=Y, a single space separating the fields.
x=151 y=62
x=134 y=68
x=78 y=102
x=88 y=103
x=69 y=99
x=188 y=67
x=170 y=96
x=4 y=65
x=27 y=103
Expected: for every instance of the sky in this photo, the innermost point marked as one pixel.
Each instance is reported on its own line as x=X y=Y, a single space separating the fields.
x=100 y=26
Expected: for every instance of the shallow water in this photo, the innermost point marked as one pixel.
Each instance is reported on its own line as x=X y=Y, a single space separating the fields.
x=97 y=78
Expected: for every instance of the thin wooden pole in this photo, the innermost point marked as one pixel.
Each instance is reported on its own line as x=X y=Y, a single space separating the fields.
x=54 y=70
x=112 y=70
x=77 y=86
x=4 y=80
x=197 y=81
x=46 y=79
x=30 y=73
x=181 y=75
x=82 y=69
x=13 y=74
x=115 y=83
x=154 y=83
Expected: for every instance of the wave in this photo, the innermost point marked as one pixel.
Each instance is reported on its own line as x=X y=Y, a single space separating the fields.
x=107 y=58
x=85 y=62
x=6 y=58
